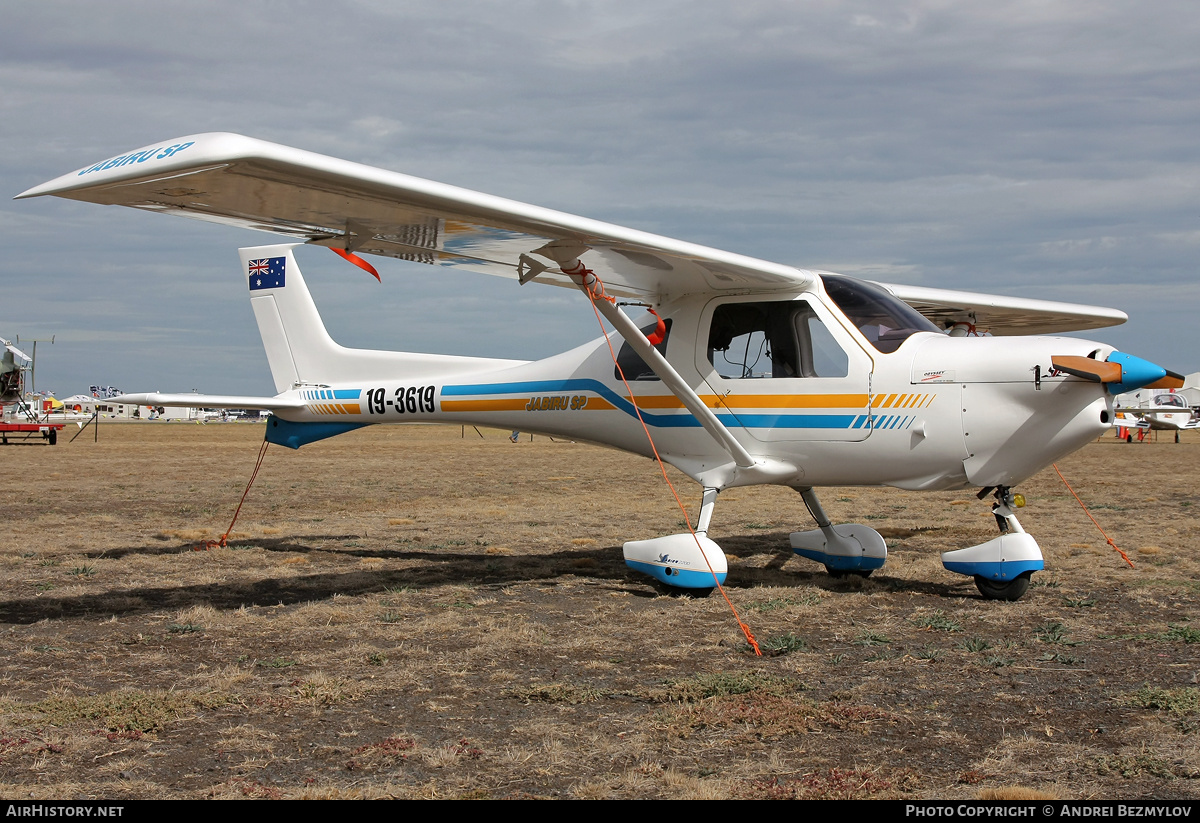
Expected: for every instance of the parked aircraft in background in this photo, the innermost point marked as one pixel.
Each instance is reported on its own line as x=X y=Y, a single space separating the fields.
x=747 y=372
x=19 y=420
x=1155 y=410
x=12 y=372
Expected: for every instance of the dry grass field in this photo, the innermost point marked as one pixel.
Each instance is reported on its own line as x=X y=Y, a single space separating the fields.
x=404 y=612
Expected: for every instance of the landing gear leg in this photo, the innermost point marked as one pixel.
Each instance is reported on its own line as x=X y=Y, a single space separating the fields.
x=1002 y=566
x=849 y=548
x=683 y=561
x=707 y=502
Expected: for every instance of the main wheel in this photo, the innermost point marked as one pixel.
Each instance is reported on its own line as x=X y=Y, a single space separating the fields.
x=1003 y=590
x=52 y=436
x=841 y=573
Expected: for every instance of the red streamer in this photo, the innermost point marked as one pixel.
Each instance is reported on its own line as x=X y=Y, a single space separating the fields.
x=356 y=260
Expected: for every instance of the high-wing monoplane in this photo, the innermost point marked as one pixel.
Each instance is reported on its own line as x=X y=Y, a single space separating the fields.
x=1154 y=410
x=747 y=372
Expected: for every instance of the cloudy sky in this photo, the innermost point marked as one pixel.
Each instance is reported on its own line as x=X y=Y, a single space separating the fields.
x=1043 y=149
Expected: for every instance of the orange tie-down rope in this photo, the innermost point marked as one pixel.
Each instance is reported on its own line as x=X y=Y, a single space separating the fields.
x=1089 y=514
x=224 y=539
x=596 y=291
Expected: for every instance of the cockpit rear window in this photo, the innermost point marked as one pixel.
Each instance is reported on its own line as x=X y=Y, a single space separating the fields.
x=631 y=364
x=885 y=320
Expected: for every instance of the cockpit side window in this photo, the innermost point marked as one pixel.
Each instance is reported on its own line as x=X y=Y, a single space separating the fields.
x=775 y=339
x=885 y=320
x=751 y=340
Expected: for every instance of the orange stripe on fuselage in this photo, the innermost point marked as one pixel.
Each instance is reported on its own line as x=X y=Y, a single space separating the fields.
x=758 y=401
x=335 y=408
x=901 y=401
x=502 y=404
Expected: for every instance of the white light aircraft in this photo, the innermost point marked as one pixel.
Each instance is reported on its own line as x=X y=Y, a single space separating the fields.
x=758 y=373
x=1156 y=410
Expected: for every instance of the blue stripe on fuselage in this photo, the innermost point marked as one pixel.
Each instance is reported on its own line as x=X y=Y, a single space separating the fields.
x=684 y=420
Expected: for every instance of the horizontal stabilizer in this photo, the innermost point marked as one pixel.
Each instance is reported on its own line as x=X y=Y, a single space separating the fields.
x=209 y=401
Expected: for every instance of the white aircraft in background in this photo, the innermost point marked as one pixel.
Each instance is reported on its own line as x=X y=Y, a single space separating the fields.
x=757 y=372
x=18 y=418
x=11 y=372
x=1155 y=410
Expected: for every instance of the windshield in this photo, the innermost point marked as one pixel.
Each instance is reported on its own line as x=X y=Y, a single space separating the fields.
x=885 y=320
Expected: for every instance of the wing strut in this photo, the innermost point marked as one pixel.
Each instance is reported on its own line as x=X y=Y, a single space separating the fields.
x=586 y=280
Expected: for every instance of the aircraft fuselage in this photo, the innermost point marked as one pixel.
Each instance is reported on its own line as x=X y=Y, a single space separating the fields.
x=938 y=412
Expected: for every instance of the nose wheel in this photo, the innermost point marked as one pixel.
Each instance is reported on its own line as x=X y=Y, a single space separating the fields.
x=1002 y=566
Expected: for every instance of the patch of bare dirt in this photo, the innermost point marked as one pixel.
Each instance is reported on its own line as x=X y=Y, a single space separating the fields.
x=408 y=612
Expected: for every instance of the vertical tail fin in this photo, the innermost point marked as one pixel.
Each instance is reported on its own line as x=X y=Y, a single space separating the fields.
x=300 y=350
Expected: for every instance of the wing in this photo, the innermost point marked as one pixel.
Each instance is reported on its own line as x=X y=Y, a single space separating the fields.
x=228 y=178
x=1003 y=315
x=1124 y=420
x=14 y=351
x=241 y=181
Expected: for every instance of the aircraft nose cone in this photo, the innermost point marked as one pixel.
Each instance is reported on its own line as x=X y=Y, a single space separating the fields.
x=1137 y=373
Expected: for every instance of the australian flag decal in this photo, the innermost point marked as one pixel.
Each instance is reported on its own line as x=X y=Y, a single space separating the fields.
x=267 y=273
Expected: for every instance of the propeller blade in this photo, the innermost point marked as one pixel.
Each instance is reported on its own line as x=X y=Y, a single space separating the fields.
x=1173 y=380
x=1087 y=368
x=1120 y=372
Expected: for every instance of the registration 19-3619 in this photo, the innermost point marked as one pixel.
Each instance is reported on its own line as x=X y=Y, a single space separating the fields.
x=406 y=400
